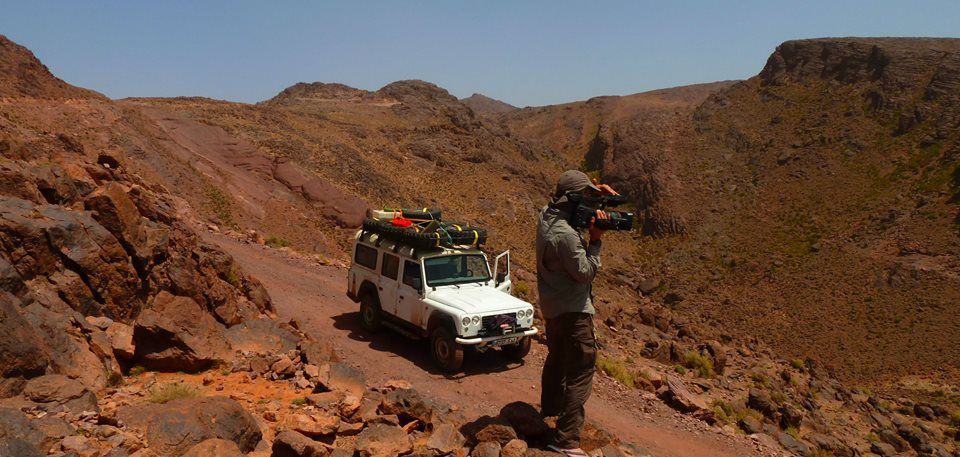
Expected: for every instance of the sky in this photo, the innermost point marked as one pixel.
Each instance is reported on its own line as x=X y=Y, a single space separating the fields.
x=526 y=53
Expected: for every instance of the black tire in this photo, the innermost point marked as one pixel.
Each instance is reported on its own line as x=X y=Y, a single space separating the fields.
x=432 y=214
x=518 y=350
x=454 y=234
x=371 y=316
x=447 y=353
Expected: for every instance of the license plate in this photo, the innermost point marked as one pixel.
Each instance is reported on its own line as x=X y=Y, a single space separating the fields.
x=505 y=341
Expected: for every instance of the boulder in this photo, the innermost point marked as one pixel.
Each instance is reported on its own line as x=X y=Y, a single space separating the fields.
x=499 y=433
x=262 y=336
x=176 y=334
x=60 y=393
x=47 y=239
x=792 y=444
x=751 y=424
x=313 y=425
x=214 y=447
x=64 y=337
x=407 y=403
x=525 y=419
x=678 y=396
x=174 y=427
x=144 y=239
x=121 y=340
x=445 y=439
x=18 y=437
x=514 y=448
x=317 y=352
x=382 y=440
x=22 y=352
x=761 y=401
x=289 y=443
x=344 y=378
x=486 y=449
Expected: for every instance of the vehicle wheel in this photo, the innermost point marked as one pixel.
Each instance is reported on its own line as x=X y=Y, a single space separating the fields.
x=519 y=350
x=446 y=351
x=370 y=313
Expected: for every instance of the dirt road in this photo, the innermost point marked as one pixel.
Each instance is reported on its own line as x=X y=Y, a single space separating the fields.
x=314 y=295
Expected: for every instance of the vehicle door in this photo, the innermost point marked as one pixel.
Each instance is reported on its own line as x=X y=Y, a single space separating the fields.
x=410 y=306
x=501 y=272
x=389 y=269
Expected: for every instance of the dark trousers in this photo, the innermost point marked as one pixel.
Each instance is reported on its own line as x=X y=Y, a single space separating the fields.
x=568 y=374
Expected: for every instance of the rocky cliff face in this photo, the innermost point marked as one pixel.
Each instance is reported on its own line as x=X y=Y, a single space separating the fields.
x=22 y=75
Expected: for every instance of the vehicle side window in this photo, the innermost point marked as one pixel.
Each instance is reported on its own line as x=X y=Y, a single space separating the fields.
x=366 y=256
x=391 y=264
x=411 y=275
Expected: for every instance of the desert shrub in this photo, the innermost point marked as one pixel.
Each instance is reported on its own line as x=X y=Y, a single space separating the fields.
x=221 y=205
x=299 y=401
x=760 y=379
x=171 y=391
x=233 y=277
x=819 y=453
x=792 y=431
x=698 y=362
x=797 y=364
x=955 y=418
x=616 y=370
x=778 y=396
x=114 y=379
x=276 y=242
x=680 y=369
x=521 y=290
x=137 y=370
x=724 y=411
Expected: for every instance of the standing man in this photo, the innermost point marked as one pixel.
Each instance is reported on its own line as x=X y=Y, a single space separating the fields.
x=566 y=266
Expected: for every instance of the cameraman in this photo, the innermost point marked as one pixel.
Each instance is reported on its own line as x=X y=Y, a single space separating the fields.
x=566 y=266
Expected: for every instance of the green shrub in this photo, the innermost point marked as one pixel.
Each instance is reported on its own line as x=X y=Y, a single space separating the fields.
x=699 y=362
x=616 y=370
x=299 y=401
x=778 y=396
x=521 y=290
x=792 y=431
x=221 y=205
x=276 y=242
x=760 y=378
x=724 y=411
x=171 y=391
x=797 y=364
x=137 y=370
x=955 y=418
x=680 y=369
x=114 y=379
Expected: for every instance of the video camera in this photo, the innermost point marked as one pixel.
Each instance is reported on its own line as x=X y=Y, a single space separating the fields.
x=587 y=206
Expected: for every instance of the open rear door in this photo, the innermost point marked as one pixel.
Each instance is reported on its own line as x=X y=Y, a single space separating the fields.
x=501 y=272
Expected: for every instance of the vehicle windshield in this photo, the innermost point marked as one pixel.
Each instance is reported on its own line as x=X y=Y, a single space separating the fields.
x=456 y=269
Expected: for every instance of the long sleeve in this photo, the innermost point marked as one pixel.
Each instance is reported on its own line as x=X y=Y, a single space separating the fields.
x=581 y=264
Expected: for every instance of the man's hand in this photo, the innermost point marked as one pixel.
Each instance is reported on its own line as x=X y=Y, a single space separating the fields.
x=605 y=188
x=595 y=232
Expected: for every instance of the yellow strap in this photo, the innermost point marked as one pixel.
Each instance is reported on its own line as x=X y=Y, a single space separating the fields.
x=476 y=237
x=438 y=238
x=458 y=228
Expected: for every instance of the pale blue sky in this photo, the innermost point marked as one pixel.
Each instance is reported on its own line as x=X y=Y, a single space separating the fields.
x=526 y=53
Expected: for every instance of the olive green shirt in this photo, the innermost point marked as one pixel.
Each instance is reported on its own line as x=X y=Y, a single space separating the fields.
x=566 y=265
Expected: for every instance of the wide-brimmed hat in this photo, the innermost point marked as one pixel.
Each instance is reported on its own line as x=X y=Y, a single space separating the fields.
x=574 y=181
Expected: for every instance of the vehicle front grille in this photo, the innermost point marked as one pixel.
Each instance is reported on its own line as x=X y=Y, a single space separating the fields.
x=498 y=324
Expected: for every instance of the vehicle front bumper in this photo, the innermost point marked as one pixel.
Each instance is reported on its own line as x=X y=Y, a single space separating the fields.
x=478 y=340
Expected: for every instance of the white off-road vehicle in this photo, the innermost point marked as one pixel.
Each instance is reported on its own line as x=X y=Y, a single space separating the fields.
x=446 y=294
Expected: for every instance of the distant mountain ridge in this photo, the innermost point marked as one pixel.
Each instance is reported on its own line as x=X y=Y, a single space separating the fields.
x=482 y=104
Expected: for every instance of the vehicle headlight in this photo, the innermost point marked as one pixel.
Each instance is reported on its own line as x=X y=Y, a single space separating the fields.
x=465 y=321
x=527 y=313
x=475 y=320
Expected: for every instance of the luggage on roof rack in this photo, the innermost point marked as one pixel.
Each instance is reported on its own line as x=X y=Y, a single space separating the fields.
x=428 y=214
x=423 y=233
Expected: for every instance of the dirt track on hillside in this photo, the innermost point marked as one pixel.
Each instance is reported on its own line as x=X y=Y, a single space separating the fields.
x=314 y=295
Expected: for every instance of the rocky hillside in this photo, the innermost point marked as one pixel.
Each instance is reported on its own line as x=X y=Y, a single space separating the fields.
x=408 y=143
x=812 y=206
x=23 y=75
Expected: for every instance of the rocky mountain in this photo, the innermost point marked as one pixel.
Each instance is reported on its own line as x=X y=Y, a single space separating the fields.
x=23 y=75
x=481 y=104
x=812 y=206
